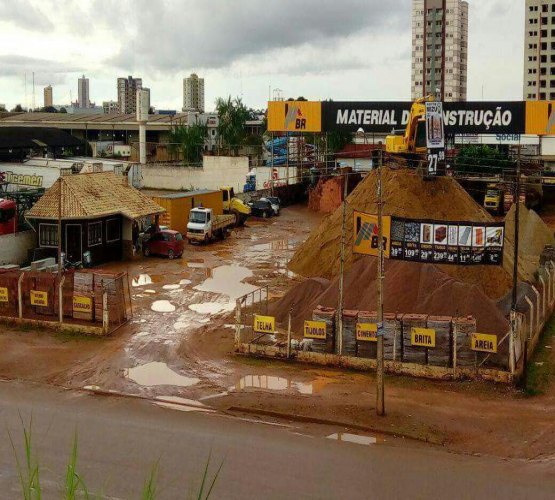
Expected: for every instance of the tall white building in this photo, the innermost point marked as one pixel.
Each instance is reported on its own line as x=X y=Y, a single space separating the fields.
x=539 y=50
x=193 y=93
x=127 y=93
x=48 y=97
x=83 y=92
x=440 y=49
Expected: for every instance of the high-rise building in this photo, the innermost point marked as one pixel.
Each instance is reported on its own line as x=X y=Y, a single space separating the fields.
x=127 y=93
x=110 y=107
x=48 y=98
x=193 y=93
x=539 y=50
x=440 y=49
x=83 y=92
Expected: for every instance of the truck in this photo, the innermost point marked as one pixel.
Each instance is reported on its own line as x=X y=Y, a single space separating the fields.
x=500 y=197
x=235 y=206
x=204 y=226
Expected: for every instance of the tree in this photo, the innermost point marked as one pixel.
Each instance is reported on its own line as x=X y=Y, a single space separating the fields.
x=2 y=109
x=338 y=139
x=63 y=110
x=233 y=116
x=481 y=159
x=48 y=109
x=17 y=109
x=189 y=141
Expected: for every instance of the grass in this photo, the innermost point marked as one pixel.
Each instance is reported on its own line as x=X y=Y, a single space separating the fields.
x=541 y=370
x=28 y=472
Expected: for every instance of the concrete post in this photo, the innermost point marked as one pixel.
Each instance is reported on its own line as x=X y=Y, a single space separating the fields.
x=237 y=323
x=544 y=297
x=20 y=295
x=289 y=334
x=512 y=338
x=61 y=299
x=538 y=317
x=531 y=306
x=142 y=143
x=105 y=313
x=549 y=281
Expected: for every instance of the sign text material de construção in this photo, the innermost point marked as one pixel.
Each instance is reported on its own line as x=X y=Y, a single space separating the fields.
x=430 y=241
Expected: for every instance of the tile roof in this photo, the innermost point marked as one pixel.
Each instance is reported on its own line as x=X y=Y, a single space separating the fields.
x=91 y=196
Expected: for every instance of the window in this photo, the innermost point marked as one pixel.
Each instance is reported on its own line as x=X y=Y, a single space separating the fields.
x=48 y=235
x=95 y=234
x=113 y=230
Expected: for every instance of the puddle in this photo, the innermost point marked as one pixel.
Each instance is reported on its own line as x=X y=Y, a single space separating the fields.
x=274 y=383
x=163 y=306
x=185 y=282
x=212 y=307
x=353 y=438
x=196 y=265
x=228 y=280
x=92 y=388
x=157 y=373
x=171 y=287
x=142 y=280
x=150 y=291
x=181 y=404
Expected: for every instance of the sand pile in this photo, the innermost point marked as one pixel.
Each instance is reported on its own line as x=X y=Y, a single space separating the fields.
x=405 y=194
x=409 y=288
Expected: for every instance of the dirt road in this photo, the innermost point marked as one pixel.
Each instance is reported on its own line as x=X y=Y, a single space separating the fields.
x=180 y=344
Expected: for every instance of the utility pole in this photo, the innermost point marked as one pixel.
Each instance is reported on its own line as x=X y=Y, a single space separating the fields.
x=342 y=267
x=60 y=227
x=380 y=403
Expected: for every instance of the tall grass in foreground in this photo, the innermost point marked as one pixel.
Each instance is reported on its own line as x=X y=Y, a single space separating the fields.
x=28 y=472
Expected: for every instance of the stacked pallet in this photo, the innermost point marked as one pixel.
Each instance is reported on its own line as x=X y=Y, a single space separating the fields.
x=441 y=355
x=83 y=287
x=327 y=315
x=365 y=348
x=463 y=328
x=350 y=319
x=113 y=285
x=413 y=354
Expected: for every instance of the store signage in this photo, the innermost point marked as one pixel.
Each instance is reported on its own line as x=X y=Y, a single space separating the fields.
x=483 y=343
x=294 y=116
x=10 y=177
x=82 y=304
x=39 y=299
x=315 y=330
x=3 y=294
x=367 y=332
x=366 y=234
x=264 y=324
x=423 y=337
x=435 y=139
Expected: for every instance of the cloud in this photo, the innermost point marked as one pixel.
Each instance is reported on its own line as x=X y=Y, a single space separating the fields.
x=24 y=14
x=11 y=65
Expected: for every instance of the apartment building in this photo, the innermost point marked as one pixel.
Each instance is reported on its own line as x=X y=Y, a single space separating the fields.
x=193 y=93
x=440 y=49
x=127 y=93
x=48 y=97
x=83 y=100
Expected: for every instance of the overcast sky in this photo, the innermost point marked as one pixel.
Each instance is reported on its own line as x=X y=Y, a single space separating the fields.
x=338 y=49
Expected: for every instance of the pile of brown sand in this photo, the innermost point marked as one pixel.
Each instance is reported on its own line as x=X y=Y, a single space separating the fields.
x=408 y=288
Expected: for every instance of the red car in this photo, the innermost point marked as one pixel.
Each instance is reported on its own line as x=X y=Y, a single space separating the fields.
x=166 y=242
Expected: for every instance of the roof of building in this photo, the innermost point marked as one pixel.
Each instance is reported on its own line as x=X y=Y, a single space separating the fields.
x=92 y=196
x=185 y=194
x=31 y=137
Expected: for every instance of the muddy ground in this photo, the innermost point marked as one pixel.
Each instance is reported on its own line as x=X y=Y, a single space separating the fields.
x=179 y=346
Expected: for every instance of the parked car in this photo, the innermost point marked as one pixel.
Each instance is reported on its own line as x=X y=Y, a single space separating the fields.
x=275 y=202
x=166 y=242
x=261 y=208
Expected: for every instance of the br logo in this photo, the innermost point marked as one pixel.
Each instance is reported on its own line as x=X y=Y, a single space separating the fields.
x=293 y=114
x=368 y=232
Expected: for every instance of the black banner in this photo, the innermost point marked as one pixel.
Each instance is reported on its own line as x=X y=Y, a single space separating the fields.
x=460 y=117
x=440 y=242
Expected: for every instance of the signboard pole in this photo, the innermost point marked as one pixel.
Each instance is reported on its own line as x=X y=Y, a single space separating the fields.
x=342 y=269
x=380 y=404
x=59 y=229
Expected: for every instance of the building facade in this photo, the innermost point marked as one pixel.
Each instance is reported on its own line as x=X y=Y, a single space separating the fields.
x=83 y=92
x=193 y=93
x=440 y=49
x=127 y=93
x=48 y=97
x=110 y=107
x=539 y=50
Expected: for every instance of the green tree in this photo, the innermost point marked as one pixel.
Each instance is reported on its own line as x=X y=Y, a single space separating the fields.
x=2 y=109
x=48 y=109
x=63 y=110
x=17 y=109
x=481 y=159
x=233 y=115
x=189 y=141
x=338 y=139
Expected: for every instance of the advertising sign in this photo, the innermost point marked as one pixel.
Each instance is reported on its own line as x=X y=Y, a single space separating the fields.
x=367 y=332
x=3 y=294
x=82 y=304
x=39 y=299
x=483 y=343
x=366 y=234
x=440 y=242
x=423 y=337
x=435 y=138
x=315 y=330
x=264 y=324
x=294 y=116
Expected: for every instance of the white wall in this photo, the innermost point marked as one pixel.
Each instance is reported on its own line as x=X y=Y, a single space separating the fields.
x=216 y=171
x=14 y=247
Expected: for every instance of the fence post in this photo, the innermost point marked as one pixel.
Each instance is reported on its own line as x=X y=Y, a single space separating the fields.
x=512 y=337
x=544 y=297
x=289 y=333
x=20 y=295
x=538 y=318
x=551 y=282
x=531 y=306
x=237 y=323
x=455 y=331
x=61 y=299
x=105 y=314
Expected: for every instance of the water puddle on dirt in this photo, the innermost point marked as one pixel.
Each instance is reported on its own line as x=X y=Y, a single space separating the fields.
x=228 y=280
x=185 y=282
x=142 y=280
x=151 y=292
x=353 y=438
x=163 y=306
x=212 y=307
x=273 y=384
x=171 y=287
x=157 y=373
x=181 y=404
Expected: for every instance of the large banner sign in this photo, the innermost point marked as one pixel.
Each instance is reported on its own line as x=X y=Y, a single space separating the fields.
x=294 y=116
x=429 y=241
x=435 y=139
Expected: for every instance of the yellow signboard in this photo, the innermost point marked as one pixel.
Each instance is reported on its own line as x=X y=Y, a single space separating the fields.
x=366 y=234
x=423 y=337
x=294 y=116
x=367 y=332
x=540 y=117
x=39 y=298
x=82 y=304
x=483 y=343
x=3 y=294
x=264 y=324
x=315 y=330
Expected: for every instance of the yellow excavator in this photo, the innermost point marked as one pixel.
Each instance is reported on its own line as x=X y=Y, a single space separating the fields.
x=233 y=205
x=409 y=144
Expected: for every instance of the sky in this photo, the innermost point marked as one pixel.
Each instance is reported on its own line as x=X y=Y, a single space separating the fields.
x=320 y=49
